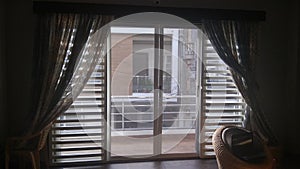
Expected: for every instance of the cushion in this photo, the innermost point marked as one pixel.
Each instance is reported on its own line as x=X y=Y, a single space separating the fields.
x=243 y=144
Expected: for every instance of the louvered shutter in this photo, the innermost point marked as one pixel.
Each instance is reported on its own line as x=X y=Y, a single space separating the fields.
x=222 y=103
x=79 y=133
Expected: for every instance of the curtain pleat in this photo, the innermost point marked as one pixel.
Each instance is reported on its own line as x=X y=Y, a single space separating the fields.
x=67 y=48
x=236 y=44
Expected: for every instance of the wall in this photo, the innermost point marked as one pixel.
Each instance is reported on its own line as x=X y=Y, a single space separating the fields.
x=121 y=53
x=2 y=78
x=293 y=92
x=19 y=47
x=272 y=67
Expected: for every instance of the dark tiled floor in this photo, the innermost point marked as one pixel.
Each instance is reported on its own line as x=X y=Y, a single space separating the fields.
x=172 y=164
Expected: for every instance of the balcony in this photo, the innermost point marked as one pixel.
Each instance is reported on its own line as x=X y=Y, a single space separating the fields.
x=132 y=125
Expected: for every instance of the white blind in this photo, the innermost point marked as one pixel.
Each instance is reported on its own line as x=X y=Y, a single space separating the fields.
x=79 y=133
x=222 y=103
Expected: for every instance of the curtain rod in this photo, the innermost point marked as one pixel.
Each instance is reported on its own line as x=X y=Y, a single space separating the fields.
x=194 y=15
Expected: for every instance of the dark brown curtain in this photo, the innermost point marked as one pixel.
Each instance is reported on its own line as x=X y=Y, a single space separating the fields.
x=67 y=48
x=236 y=44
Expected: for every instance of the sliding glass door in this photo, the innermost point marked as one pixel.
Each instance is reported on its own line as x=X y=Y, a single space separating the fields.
x=153 y=91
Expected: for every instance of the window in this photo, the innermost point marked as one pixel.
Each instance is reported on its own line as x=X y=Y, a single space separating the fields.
x=198 y=95
x=141 y=80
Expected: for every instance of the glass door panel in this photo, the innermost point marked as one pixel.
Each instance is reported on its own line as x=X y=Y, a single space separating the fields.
x=179 y=88
x=132 y=59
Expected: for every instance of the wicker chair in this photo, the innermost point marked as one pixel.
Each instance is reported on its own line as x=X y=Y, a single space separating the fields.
x=227 y=160
x=32 y=150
